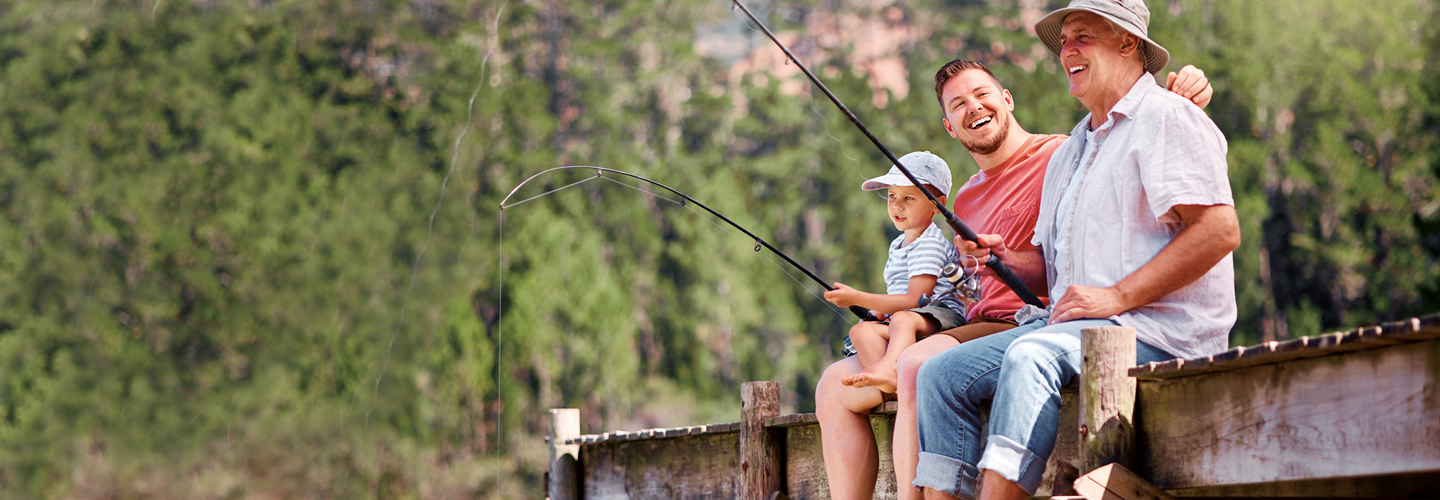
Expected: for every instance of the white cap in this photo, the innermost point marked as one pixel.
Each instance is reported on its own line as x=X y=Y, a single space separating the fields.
x=926 y=167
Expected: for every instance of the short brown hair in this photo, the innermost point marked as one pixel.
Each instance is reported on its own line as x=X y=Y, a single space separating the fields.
x=952 y=68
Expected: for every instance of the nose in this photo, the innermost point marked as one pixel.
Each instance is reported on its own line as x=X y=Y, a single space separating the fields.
x=1067 y=47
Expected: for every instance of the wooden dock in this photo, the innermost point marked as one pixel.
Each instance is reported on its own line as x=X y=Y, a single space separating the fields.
x=1352 y=414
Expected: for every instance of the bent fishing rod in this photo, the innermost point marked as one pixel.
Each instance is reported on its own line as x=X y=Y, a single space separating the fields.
x=860 y=312
x=1001 y=271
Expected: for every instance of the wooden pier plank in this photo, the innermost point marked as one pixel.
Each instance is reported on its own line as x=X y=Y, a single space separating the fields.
x=1370 y=412
x=701 y=467
x=1412 y=330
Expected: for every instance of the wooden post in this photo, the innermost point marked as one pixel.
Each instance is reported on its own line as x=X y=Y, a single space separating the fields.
x=760 y=460
x=563 y=479
x=1107 y=397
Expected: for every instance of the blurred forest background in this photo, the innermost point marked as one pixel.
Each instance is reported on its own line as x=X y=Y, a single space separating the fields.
x=252 y=249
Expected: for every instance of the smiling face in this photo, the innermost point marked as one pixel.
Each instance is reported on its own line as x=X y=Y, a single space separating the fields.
x=1101 y=61
x=977 y=111
x=910 y=210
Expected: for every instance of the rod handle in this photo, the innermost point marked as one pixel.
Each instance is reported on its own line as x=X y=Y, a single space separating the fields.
x=1010 y=279
x=863 y=313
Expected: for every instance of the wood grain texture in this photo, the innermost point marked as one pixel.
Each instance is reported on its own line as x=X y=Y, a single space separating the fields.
x=1363 y=413
x=702 y=467
x=805 y=465
x=1107 y=397
x=1115 y=482
x=1412 y=330
x=761 y=459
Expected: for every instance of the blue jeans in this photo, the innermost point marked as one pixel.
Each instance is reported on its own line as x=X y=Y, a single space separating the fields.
x=1022 y=369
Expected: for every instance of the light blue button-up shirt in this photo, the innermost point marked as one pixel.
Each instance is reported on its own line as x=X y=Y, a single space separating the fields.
x=1155 y=151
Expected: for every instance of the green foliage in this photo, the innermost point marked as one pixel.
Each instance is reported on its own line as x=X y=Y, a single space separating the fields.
x=254 y=248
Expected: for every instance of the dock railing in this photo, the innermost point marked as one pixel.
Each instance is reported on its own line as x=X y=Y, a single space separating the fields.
x=1348 y=414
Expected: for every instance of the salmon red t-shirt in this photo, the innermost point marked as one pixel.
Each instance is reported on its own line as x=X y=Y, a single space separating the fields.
x=1005 y=200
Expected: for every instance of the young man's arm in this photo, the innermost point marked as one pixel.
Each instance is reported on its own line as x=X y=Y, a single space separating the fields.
x=1029 y=265
x=845 y=296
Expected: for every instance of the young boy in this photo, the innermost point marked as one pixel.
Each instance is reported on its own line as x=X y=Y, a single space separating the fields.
x=911 y=272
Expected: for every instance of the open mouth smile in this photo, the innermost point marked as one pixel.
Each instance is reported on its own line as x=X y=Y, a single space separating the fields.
x=975 y=125
x=1077 y=68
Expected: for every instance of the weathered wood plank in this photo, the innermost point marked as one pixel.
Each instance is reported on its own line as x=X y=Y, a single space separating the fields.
x=1363 y=413
x=1115 y=482
x=697 y=430
x=701 y=467
x=805 y=465
x=1397 y=332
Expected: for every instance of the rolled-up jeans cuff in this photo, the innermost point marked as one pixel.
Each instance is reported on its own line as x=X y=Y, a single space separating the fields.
x=1014 y=462
x=946 y=475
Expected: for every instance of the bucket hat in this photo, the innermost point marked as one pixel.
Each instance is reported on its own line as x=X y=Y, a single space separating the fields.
x=926 y=167
x=1129 y=15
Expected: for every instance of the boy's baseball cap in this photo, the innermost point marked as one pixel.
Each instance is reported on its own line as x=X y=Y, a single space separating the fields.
x=926 y=167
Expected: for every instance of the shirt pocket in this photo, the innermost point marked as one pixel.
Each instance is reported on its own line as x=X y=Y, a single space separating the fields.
x=1016 y=216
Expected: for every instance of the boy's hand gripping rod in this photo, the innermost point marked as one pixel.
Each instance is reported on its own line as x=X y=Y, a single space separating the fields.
x=1001 y=271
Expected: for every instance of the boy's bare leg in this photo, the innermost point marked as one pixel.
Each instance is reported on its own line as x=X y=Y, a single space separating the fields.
x=905 y=326
x=870 y=340
x=906 y=442
x=848 y=444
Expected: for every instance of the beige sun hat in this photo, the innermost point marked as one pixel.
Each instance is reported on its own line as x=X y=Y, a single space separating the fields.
x=1129 y=15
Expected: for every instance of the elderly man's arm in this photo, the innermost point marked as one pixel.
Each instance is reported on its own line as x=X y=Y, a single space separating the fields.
x=1209 y=234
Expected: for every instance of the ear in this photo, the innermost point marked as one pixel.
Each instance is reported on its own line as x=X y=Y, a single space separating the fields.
x=1129 y=44
x=1009 y=100
x=950 y=128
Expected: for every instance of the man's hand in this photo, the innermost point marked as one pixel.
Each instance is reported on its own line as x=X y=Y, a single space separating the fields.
x=992 y=244
x=1191 y=84
x=1081 y=302
x=843 y=295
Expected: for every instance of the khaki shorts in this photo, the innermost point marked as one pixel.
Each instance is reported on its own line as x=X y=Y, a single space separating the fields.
x=980 y=327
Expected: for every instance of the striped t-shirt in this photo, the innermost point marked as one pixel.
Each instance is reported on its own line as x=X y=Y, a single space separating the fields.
x=926 y=255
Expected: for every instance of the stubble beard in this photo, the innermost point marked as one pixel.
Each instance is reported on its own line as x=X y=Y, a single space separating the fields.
x=988 y=147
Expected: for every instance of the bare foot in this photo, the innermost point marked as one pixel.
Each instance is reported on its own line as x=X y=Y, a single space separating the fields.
x=879 y=376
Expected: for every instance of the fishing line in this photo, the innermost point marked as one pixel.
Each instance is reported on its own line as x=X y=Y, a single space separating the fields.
x=824 y=121
x=651 y=193
x=1000 y=270
x=573 y=184
x=730 y=232
x=500 y=278
x=858 y=311
x=499 y=331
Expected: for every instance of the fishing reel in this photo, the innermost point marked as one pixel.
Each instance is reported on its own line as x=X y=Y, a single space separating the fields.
x=966 y=284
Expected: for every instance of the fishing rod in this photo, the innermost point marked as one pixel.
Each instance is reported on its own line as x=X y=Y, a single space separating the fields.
x=860 y=312
x=1001 y=271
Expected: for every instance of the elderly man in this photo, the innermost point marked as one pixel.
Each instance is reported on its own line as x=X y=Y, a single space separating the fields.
x=1136 y=226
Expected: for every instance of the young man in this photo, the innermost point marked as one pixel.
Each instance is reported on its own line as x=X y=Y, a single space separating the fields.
x=1135 y=227
x=1003 y=198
